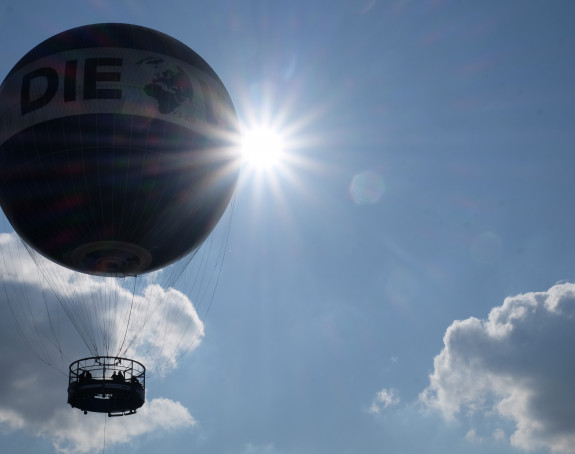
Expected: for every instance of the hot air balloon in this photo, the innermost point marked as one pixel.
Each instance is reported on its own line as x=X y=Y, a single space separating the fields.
x=118 y=157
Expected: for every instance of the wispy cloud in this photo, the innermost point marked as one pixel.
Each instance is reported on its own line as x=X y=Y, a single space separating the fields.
x=383 y=399
x=472 y=437
x=268 y=448
x=518 y=364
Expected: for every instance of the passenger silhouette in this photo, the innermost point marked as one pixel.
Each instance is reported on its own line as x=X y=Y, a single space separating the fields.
x=118 y=377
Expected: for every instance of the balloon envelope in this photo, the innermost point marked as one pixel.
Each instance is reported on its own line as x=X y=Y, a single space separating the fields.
x=117 y=149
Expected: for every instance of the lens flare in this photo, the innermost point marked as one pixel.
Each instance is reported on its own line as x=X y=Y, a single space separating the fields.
x=367 y=188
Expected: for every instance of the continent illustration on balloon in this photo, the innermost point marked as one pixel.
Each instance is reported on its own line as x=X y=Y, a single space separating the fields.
x=170 y=85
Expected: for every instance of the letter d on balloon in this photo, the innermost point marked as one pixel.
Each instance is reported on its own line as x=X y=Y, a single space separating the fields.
x=51 y=77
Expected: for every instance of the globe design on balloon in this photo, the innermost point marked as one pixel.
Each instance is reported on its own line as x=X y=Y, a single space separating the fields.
x=170 y=85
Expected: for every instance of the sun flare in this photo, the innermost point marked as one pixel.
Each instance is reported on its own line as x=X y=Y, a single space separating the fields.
x=262 y=148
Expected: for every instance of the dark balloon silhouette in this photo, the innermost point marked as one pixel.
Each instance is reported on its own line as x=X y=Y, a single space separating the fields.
x=118 y=151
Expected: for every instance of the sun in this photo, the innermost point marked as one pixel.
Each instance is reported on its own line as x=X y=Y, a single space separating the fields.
x=262 y=147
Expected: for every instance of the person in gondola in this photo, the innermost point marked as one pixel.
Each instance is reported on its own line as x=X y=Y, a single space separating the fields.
x=118 y=377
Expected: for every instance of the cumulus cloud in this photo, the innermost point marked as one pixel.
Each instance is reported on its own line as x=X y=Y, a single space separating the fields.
x=517 y=364
x=74 y=433
x=47 y=316
x=136 y=317
x=383 y=399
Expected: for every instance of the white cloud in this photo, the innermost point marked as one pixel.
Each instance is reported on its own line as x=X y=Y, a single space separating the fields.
x=518 y=364
x=11 y=419
x=499 y=434
x=132 y=317
x=35 y=329
x=268 y=448
x=383 y=399
x=73 y=432
x=472 y=437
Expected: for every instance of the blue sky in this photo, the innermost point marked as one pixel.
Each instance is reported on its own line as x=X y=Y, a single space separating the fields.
x=401 y=281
